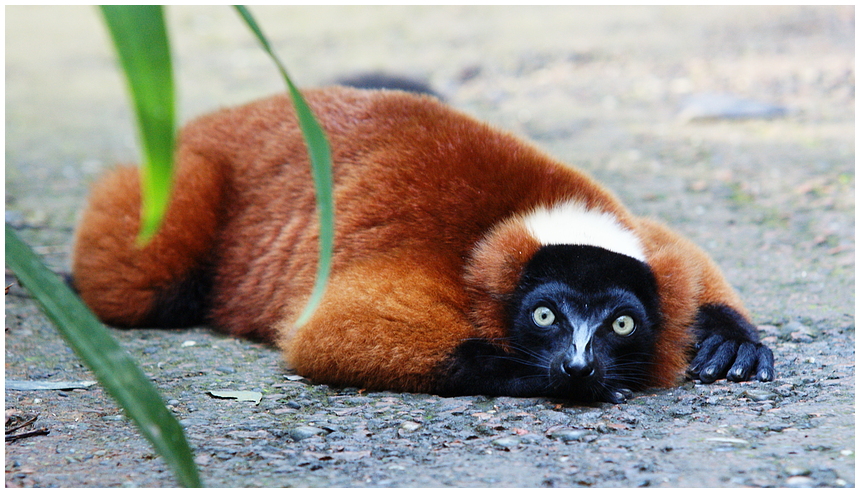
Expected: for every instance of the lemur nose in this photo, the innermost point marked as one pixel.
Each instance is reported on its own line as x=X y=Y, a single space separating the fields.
x=578 y=369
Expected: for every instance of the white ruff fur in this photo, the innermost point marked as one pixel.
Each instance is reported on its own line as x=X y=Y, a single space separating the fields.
x=570 y=223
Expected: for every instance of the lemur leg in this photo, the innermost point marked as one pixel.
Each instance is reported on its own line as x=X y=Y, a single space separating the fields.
x=384 y=323
x=164 y=283
x=695 y=293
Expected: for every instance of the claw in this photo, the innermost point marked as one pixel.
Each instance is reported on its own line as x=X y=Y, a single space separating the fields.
x=704 y=353
x=618 y=396
x=765 y=371
x=719 y=362
x=744 y=363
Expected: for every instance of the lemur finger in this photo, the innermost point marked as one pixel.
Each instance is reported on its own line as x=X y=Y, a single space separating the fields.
x=722 y=358
x=705 y=351
x=765 y=370
x=745 y=362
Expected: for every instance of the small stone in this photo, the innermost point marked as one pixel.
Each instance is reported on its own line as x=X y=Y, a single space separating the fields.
x=570 y=435
x=530 y=438
x=797 y=471
x=682 y=411
x=410 y=426
x=302 y=432
x=778 y=427
x=799 y=482
x=759 y=395
x=225 y=369
x=796 y=331
x=506 y=443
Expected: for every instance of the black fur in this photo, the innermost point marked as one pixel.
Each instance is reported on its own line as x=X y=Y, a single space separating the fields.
x=728 y=347
x=183 y=304
x=381 y=80
x=586 y=288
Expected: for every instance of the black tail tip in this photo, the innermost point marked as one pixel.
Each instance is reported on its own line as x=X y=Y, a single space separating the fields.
x=382 y=80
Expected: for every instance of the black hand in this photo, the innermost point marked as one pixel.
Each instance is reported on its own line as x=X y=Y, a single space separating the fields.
x=729 y=348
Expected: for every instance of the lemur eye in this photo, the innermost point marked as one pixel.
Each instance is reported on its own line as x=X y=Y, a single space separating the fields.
x=623 y=325
x=543 y=316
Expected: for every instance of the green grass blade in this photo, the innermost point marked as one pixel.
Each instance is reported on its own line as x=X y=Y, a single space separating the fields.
x=140 y=38
x=320 y=157
x=113 y=367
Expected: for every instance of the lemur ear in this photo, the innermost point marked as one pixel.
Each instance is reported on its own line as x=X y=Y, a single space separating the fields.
x=493 y=272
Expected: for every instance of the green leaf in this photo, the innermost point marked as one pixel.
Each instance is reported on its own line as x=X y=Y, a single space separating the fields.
x=320 y=157
x=140 y=38
x=113 y=367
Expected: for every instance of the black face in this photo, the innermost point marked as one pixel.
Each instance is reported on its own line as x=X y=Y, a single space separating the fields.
x=584 y=320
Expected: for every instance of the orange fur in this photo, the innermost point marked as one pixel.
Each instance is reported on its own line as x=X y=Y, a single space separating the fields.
x=492 y=272
x=429 y=239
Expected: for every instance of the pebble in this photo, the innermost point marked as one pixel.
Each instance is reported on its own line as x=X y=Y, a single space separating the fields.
x=799 y=482
x=293 y=404
x=797 y=471
x=409 y=426
x=778 y=427
x=682 y=411
x=797 y=332
x=506 y=443
x=530 y=438
x=570 y=435
x=302 y=432
x=759 y=395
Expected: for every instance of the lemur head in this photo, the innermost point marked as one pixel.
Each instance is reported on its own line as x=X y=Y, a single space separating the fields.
x=585 y=317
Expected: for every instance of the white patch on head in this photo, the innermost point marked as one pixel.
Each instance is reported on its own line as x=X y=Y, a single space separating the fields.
x=570 y=223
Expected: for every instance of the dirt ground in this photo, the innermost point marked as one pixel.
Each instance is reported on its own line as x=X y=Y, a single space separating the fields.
x=609 y=90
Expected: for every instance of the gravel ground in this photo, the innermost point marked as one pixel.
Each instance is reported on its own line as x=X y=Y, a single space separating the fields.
x=610 y=90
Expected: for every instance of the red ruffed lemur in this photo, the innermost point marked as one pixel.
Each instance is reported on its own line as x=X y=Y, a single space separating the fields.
x=466 y=261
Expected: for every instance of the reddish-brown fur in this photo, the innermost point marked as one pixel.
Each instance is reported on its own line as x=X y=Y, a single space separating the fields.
x=427 y=236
